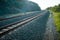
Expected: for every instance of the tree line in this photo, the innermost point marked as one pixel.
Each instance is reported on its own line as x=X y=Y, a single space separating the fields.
x=56 y=8
x=17 y=6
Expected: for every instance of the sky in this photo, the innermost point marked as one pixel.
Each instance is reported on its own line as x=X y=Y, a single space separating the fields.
x=46 y=3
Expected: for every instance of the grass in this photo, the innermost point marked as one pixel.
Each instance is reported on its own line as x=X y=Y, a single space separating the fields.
x=56 y=16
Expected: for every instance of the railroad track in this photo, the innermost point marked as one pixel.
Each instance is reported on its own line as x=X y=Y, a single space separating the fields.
x=11 y=20
x=13 y=26
x=3 y=19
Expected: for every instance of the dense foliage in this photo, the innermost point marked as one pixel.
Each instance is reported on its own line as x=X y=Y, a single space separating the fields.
x=56 y=8
x=17 y=6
